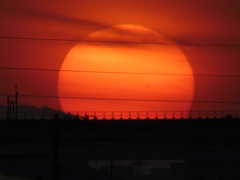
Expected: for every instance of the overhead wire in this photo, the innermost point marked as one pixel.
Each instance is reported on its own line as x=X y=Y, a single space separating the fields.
x=117 y=99
x=114 y=42
x=110 y=72
x=124 y=99
x=117 y=72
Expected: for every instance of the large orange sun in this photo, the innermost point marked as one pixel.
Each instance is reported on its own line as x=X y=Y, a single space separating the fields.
x=127 y=68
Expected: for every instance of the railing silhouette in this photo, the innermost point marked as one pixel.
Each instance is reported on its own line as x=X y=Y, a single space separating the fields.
x=127 y=115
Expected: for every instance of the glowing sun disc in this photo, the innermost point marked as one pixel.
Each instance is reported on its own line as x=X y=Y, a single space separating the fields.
x=125 y=62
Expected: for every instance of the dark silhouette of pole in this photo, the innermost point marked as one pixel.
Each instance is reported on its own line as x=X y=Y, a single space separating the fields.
x=12 y=106
x=55 y=164
x=8 y=108
x=16 y=102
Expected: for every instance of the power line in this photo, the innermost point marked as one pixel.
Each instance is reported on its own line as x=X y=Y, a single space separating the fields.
x=116 y=42
x=111 y=72
x=125 y=99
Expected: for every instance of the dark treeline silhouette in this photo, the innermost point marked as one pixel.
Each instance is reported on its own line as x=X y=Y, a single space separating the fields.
x=30 y=108
x=29 y=111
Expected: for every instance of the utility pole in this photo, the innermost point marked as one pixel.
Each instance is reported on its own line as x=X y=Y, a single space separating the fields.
x=55 y=163
x=16 y=101
x=12 y=106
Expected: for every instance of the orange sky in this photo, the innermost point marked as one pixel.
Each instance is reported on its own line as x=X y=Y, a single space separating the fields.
x=184 y=22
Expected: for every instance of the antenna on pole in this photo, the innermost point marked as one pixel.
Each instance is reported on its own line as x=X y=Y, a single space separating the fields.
x=12 y=106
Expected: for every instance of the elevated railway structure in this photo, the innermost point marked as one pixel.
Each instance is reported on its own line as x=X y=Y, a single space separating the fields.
x=124 y=115
x=68 y=148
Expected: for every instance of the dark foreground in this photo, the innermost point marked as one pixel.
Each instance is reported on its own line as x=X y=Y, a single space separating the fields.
x=121 y=149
